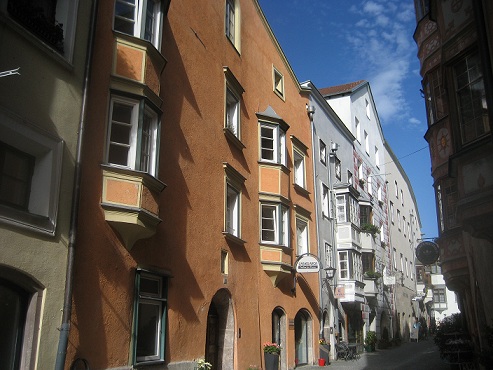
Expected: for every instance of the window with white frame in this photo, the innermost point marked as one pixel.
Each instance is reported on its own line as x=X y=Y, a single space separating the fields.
x=402 y=198
x=272 y=143
x=274 y=224
x=232 y=108
x=323 y=152
x=133 y=135
x=30 y=175
x=233 y=183
x=338 y=168
x=347 y=209
x=368 y=109
x=350 y=178
x=343 y=265
x=399 y=219
x=149 y=317
x=377 y=157
x=278 y=80
x=325 y=201
x=232 y=211
x=391 y=212
x=404 y=225
x=52 y=21
x=379 y=192
x=439 y=295
x=140 y=18
x=232 y=22
x=358 y=129
x=299 y=168
x=329 y=258
x=394 y=258
x=369 y=183
x=396 y=189
x=367 y=143
x=301 y=236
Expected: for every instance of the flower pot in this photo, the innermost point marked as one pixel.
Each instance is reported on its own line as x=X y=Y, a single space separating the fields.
x=321 y=362
x=271 y=361
x=324 y=350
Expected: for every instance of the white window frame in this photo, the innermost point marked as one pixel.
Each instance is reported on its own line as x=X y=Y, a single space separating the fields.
x=301 y=236
x=358 y=129
x=232 y=21
x=377 y=157
x=367 y=107
x=325 y=201
x=343 y=258
x=323 y=152
x=233 y=197
x=42 y=210
x=299 y=168
x=159 y=300
x=139 y=19
x=279 y=218
x=136 y=132
x=278 y=143
x=367 y=142
x=278 y=82
x=232 y=113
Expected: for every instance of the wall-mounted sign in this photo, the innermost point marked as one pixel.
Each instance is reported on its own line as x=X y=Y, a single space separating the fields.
x=339 y=292
x=427 y=253
x=307 y=263
x=388 y=280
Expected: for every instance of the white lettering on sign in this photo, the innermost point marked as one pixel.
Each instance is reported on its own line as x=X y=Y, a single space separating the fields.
x=307 y=264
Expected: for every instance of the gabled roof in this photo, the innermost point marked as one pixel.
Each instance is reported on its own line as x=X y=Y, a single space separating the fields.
x=341 y=89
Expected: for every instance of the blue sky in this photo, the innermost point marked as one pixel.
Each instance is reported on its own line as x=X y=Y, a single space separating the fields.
x=332 y=42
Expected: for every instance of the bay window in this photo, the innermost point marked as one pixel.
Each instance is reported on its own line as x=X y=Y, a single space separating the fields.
x=140 y=18
x=274 y=224
x=133 y=135
x=272 y=143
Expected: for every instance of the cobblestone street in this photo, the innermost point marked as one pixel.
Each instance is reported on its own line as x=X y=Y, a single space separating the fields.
x=423 y=355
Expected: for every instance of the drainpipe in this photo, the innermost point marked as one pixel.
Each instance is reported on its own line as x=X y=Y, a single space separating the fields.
x=67 y=301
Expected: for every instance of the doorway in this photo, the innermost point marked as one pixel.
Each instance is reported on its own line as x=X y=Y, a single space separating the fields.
x=302 y=335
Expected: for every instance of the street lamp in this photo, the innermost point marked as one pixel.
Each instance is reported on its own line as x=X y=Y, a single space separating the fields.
x=330 y=272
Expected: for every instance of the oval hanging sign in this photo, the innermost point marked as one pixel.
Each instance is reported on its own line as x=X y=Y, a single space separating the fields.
x=427 y=252
x=308 y=263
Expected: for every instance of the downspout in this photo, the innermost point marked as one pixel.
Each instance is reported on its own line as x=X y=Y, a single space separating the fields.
x=311 y=112
x=67 y=300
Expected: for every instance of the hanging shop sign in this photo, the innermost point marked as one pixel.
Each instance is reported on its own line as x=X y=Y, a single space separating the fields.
x=340 y=292
x=427 y=252
x=307 y=263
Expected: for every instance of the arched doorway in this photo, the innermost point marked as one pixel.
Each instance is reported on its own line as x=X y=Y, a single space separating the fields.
x=302 y=335
x=220 y=338
x=279 y=332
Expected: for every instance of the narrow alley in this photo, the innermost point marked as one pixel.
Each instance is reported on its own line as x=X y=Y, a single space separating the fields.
x=423 y=355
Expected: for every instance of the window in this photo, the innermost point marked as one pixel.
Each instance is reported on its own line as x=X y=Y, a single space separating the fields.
x=402 y=263
x=392 y=212
x=272 y=143
x=140 y=18
x=404 y=225
x=30 y=173
x=369 y=185
x=358 y=129
x=149 y=317
x=232 y=22
x=19 y=319
x=232 y=108
x=343 y=265
x=377 y=157
x=233 y=184
x=347 y=209
x=396 y=189
x=399 y=220
x=471 y=99
x=299 y=168
x=301 y=236
x=325 y=201
x=274 y=224
x=278 y=326
x=329 y=262
x=337 y=167
x=278 y=83
x=367 y=143
x=133 y=135
x=350 y=178
x=323 y=152
x=360 y=170
x=232 y=211
x=379 y=193
x=436 y=99
x=51 y=21
x=402 y=198
x=406 y=264
x=365 y=215
x=367 y=106
x=439 y=295
x=394 y=254
x=16 y=171
x=368 y=262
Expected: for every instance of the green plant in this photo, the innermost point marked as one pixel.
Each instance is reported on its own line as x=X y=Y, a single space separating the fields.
x=272 y=348
x=370 y=229
x=371 y=338
x=203 y=365
x=373 y=274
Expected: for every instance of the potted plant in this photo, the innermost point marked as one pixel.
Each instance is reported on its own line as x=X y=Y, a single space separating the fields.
x=373 y=275
x=370 y=341
x=370 y=229
x=203 y=365
x=324 y=349
x=271 y=355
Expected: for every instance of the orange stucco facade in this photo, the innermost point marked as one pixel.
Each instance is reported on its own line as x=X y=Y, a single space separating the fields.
x=174 y=224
